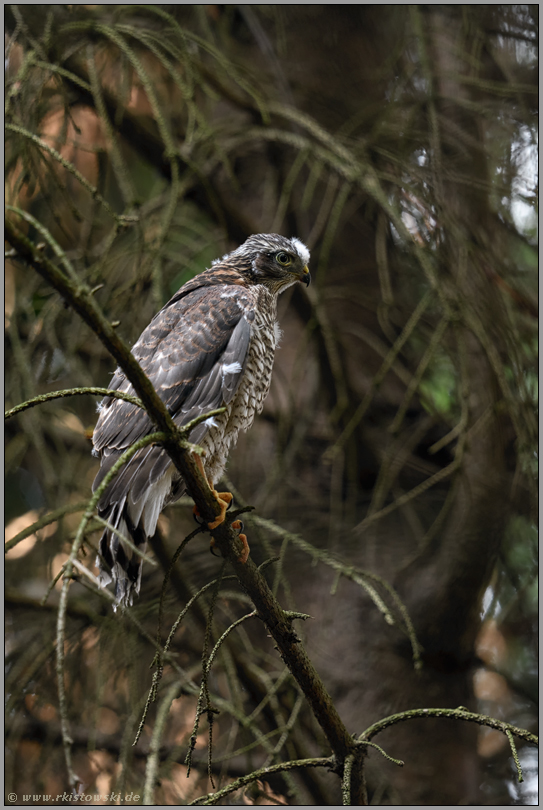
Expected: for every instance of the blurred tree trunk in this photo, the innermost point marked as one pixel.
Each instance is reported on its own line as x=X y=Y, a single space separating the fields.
x=441 y=577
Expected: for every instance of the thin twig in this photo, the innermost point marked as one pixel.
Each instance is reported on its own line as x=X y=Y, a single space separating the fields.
x=46 y=520
x=451 y=714
x=515 y=754
x=214 y=798
x=151 y=768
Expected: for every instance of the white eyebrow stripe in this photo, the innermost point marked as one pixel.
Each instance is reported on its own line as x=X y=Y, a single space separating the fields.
x=301 y=249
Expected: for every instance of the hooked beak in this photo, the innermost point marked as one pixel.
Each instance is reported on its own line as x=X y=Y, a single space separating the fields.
x=306 y=276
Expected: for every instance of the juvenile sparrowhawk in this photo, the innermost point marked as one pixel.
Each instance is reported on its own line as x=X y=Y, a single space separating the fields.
x=212 y=345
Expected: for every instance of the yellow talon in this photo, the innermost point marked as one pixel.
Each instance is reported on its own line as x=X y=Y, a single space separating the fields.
x=224 y=499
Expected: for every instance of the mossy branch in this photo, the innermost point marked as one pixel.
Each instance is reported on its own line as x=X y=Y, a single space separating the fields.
x=456 y=714
x=72 y=392
x=451 y=714
x=214 y=798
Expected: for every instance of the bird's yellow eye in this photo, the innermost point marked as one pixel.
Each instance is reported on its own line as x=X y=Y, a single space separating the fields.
x=283 y=258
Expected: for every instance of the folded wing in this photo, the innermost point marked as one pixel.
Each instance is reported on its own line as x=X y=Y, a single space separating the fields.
x=194 y=352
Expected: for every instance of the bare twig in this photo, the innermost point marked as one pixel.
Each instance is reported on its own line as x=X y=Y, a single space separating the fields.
x=451 y=714
x=213 y=798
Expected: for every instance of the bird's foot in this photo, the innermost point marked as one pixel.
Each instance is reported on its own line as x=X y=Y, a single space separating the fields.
x=244 y=556
x=224 y=500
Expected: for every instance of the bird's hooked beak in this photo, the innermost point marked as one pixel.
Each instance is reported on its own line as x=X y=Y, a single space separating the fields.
x=306 y=276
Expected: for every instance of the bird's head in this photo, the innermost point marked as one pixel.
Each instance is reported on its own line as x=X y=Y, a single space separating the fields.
x=272 y=260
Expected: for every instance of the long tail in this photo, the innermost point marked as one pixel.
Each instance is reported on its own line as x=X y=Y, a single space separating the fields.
x=131 y=505
x=117 y=561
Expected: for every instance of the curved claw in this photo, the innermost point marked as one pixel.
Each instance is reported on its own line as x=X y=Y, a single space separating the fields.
x=244 y=556
x=197 y=516
x=212 y=546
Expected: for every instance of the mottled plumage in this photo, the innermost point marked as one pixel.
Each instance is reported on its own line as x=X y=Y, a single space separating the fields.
x=212 y=345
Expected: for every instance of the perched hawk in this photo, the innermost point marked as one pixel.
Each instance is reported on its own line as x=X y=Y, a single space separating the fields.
x=211 y=346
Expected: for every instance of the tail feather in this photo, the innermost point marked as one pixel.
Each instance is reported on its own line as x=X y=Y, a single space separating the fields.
x=117 y=562
x=137 y=521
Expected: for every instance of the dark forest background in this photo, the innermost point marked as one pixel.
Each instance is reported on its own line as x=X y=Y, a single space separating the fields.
x=393 y=468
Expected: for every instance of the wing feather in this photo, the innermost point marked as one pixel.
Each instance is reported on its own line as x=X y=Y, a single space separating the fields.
x=194 y=352
x=182 y=351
